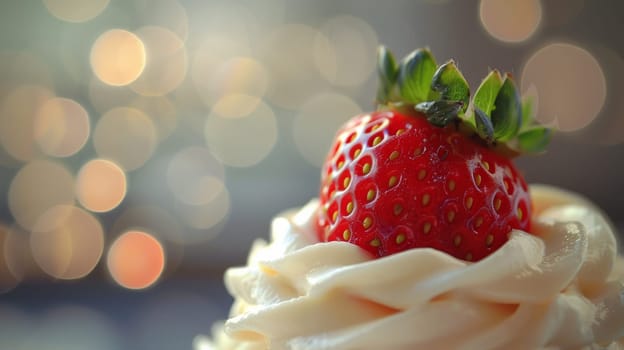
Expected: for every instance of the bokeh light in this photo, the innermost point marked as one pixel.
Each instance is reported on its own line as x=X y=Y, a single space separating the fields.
x=166 y=62
x=100 y=185
x=608 y=128
x=8 y=280
x=195 y=176
x=38 y=186
x=126 y=136
x=145 y=144
x=67 y=242
x=243 y=75
x=242 y=141
x=317 y=123
x=75 y=10
x=18 y=256
x=236 y=105
x=118 y=57
x=169 y=14
x=511 y=20
x=288 y=53
x=136 y=260
x=206 y=216
x=161 y=111
x=344 y=50
x=18 y=112
x=238 y=83
x=61 y=127
x=570 y=85
x=211 y=55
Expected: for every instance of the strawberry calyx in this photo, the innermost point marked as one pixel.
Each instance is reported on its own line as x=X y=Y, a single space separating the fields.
x=495 y=115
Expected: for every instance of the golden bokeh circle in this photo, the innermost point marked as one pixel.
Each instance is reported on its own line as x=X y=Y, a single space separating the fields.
x=61 y=127
x=18 y=115
x=570 y=85
x=18 y=255
x=67 y=242
x=8 y=279
x=118 y=57
x=511 y=21
x=125 y=135
x=38 y=186
x=75 y=11
x=136 y=260
x=100 y=185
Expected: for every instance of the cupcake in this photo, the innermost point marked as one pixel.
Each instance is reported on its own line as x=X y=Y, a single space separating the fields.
x=426 y=236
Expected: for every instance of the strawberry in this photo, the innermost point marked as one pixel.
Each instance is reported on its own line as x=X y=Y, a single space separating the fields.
x=430 y=169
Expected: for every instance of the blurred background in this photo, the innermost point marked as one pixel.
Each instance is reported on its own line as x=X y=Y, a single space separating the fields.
x=144 y=144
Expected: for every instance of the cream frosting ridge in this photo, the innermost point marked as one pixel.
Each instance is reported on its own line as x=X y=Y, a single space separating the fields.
x=562 y=288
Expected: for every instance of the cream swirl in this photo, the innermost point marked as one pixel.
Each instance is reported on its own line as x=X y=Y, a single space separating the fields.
x=561 y=288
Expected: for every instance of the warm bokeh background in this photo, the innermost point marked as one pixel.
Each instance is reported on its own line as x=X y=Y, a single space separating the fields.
x=144 y=144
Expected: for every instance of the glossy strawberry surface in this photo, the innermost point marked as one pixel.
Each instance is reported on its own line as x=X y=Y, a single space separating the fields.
x=393 y=182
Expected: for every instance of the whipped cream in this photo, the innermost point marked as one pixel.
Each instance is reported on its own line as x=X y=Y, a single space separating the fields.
x=561 y=288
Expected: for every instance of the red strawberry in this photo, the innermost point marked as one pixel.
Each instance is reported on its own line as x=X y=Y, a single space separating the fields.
x=395 y=181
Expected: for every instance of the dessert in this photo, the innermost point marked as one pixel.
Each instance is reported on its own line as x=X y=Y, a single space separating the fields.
x=426 y=236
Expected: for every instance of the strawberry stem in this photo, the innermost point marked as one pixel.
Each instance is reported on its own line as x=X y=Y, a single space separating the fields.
x=484 y=126
x=440 y=113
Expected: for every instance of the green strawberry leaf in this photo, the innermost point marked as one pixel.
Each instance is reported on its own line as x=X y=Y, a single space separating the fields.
x=486 y=93
x=496 y=113
x=415 y=73
x=527 y=113
x=507 y=113
x=451 y=85
x=484 y=126
x=440 y=113
x=534 y=139
x=387 y=70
